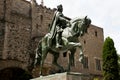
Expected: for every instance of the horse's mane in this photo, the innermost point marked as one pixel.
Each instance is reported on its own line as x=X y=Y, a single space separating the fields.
x=76 y=19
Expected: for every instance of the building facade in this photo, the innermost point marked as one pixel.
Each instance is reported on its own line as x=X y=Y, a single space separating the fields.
x=23 y=24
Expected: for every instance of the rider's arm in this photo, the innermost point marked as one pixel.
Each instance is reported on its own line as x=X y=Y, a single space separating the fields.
x=65 y=19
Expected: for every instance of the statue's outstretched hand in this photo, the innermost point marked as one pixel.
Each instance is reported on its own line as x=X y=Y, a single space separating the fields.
x=68 y=24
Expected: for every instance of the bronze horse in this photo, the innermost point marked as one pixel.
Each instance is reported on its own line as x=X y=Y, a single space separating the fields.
x=69 y=41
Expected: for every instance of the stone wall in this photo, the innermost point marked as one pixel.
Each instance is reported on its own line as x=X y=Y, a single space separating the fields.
x=21 y=7
x=17 y=31
x=12 y=63
x=92 y=44
x=15 y=23
x=2 y=26
x=1 y=9
x=41 y=18
x=16 y=7
x=2 y=30
x=22 y=25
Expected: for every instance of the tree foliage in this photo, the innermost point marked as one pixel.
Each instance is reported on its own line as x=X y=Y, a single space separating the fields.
x=110 y=60
x=119 y=63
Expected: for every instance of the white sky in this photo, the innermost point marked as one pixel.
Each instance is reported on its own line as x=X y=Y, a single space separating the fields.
x=103 y=13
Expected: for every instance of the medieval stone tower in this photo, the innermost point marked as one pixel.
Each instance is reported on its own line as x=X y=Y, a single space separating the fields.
x=23 y=24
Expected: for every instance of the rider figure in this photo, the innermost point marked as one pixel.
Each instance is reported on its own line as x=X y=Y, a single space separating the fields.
x=61 y=22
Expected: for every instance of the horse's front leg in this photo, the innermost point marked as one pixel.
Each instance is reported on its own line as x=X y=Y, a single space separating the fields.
x=72 y=44
x=55 y=59
x=81 y=55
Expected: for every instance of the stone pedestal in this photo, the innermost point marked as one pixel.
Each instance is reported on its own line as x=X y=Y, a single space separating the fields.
x=65 y=76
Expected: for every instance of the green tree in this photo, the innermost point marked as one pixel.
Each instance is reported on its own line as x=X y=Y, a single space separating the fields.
x=110 y=61
x=119 y=63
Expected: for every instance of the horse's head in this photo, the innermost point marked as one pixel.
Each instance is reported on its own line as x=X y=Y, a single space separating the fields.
x=80 y=25
x=83 y=25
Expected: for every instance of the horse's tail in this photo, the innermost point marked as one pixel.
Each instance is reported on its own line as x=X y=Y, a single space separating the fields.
x=38 y=54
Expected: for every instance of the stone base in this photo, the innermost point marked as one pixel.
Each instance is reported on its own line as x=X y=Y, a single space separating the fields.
x=65 y=76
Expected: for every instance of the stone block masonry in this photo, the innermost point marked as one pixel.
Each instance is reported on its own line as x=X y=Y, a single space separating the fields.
x=19 y=20
x=65 y=76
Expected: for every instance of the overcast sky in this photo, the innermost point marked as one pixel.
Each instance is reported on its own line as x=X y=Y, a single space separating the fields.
x=103 y=13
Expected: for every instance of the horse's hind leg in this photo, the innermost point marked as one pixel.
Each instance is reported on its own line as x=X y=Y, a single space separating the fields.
x=56 y=56
x=44 y=54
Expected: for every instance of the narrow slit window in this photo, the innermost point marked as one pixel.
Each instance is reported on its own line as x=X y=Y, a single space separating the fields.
x=98 y=64
x=85 y=64
x=96 y=34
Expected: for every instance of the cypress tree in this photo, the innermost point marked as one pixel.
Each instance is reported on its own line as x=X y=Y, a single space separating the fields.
x=119 y=64
x=110 y=61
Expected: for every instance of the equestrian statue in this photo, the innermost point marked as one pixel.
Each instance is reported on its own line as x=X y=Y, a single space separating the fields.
x=62 y=37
